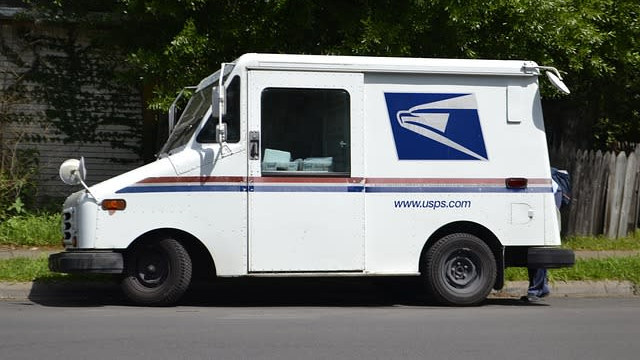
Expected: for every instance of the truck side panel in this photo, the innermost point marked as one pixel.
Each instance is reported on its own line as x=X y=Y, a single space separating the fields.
x=438 y=149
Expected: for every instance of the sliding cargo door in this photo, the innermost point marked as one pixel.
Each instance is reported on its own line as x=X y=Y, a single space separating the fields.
x=305 y=206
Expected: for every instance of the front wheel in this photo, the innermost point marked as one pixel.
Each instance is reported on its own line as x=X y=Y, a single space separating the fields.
x=460 y=270
x=157 y=274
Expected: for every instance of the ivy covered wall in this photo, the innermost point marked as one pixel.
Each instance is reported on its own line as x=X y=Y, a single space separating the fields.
x=60 y=98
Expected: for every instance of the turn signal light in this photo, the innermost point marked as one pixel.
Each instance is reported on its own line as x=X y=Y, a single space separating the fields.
x=114 y=205
x=516 y=183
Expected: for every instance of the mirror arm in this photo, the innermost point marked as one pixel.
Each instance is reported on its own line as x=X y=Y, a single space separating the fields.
x=552 y=73
x=527 y=67
x=81 y=173
x=88 y=190
x=221 y=95
x=552 y=69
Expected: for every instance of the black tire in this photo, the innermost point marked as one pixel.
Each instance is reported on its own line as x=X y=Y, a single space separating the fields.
x=157 y=274
x=460 y=270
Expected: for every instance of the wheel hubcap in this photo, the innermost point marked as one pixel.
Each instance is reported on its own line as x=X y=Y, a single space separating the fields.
x=152 y=269
x=460 y=270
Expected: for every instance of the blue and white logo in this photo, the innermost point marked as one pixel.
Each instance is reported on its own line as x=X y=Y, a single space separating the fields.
x=433 y=126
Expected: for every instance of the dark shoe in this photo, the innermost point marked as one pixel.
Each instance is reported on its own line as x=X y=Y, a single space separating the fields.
x=531 y=298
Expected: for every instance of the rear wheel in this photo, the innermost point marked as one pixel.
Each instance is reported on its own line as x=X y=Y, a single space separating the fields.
x=157 y=274
x=460 y=270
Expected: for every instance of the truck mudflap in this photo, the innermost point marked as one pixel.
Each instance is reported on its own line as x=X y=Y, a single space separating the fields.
x=86 y=262
x=549 y=257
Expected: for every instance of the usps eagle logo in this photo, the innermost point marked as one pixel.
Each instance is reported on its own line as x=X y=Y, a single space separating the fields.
x=435 y=126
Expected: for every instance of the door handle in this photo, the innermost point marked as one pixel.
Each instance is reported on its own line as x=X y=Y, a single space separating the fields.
x=254 y=145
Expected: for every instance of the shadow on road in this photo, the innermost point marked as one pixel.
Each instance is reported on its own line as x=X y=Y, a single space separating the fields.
x=259 y=292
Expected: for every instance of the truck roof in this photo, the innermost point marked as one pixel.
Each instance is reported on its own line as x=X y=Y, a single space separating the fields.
x=387 y=64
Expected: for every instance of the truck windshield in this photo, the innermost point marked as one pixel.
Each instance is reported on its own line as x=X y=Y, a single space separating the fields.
x=195 y=111
x=189 y=120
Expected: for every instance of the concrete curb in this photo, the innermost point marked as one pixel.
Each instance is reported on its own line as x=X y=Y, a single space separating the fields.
x=574 y=289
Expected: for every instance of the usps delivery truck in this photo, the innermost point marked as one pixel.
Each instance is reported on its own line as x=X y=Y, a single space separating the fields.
x=290 y=165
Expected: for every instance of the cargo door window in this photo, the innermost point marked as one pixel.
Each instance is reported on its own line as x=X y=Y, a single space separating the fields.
x=305 y=131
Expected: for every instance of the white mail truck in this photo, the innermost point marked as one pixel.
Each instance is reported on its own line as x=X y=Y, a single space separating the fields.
x=304 y=165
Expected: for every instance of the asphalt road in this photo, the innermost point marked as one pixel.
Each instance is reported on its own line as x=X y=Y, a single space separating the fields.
x=559 y=328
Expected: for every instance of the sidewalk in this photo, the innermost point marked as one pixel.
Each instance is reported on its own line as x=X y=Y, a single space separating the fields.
x=83 y=290
x=7 y=252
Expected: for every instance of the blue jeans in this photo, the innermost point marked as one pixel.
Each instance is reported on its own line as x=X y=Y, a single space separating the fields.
x=538 y=282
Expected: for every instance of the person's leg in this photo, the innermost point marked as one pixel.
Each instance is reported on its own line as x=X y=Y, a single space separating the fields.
x=538 y=284
x=545 y=290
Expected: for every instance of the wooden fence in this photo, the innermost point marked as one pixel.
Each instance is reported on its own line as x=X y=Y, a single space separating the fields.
x=605 y=191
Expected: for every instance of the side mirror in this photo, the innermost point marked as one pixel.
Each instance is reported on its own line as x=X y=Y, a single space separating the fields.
x=557 y=82
x=73 y=171
x=552 y=73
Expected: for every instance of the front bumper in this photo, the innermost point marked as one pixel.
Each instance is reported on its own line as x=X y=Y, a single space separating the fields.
x=86 y=262
x=547 y=257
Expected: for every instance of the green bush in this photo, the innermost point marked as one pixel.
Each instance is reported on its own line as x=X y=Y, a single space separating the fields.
x=31 y=230
x=17 y=184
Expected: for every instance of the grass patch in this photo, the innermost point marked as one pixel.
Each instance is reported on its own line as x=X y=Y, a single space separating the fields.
x=23 y=269
x=31 y=230
x=613 y=268
x=601 y=243
x=31 y=269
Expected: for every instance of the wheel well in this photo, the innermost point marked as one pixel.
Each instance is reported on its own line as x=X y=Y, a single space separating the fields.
x=202 y=261
x=477 y=230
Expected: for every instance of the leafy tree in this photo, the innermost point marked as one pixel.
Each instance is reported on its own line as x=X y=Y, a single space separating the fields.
x=170 y=44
